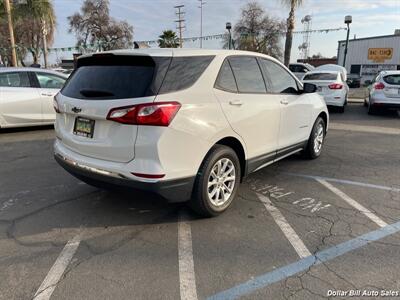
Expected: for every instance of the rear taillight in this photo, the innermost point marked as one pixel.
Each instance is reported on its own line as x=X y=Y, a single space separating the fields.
x=55 y=105
x=379 y=86
x=335 y=86
x=152 y=114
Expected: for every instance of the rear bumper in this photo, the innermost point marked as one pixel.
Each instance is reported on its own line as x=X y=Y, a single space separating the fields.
x=177 y=190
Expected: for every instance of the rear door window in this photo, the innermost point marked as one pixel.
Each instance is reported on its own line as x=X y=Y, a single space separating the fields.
x=184 y=72
x=49 y=81
x=248 y=74
x=226 y=80
x=14 y=79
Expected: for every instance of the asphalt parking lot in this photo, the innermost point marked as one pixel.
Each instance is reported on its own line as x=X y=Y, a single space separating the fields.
x=298 y=230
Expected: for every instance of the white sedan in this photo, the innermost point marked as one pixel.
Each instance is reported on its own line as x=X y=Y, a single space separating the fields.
x=331 y=85
x=26 y=96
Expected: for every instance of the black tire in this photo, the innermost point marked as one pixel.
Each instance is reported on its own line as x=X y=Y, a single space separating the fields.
x=365 y=102
x=200 y=201
x=371 y=110
x=310 y=152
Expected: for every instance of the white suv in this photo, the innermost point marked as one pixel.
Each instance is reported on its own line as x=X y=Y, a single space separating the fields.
x=186 y=124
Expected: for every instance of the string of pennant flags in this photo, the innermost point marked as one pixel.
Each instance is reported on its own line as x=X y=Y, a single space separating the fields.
x=155 y=42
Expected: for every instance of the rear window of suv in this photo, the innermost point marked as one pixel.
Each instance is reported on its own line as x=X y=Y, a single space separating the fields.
x=320 y=76
x=118 y=77
x=392 y=79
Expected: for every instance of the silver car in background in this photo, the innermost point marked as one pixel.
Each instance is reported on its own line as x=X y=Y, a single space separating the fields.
x=331 y=85
x=384 y=92
x=300 y=69
x=26 y=96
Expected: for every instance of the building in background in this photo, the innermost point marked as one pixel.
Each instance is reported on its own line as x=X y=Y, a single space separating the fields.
x=368 y=56
x=316 y=62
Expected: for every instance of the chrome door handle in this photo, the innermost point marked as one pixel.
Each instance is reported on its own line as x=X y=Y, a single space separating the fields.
x=284 y=102
x=236 y=102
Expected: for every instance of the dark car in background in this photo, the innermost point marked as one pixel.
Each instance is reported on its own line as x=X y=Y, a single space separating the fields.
x=353 y=80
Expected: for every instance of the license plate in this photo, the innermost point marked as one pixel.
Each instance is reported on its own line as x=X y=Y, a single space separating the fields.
x=84 y=127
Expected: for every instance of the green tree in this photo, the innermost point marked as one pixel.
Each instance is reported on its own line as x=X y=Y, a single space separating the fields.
x=93 y=25
x=292 y=4
x=256 y=31
x=30 y=19
x=168 y=39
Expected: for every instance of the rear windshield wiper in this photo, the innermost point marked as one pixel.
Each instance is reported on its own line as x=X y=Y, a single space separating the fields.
x=95 y=93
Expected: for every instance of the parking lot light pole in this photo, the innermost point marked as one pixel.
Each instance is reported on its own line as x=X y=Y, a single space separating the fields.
x=347 y=21
x=229 y=27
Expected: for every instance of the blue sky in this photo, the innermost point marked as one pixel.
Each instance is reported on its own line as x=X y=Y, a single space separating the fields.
x=150 y=17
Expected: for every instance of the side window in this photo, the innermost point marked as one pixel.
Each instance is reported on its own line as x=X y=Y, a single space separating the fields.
x=248 y=74
x=183 y=72
x=281 y=81
x=226 y=80
x=14 y=79
x=50 y=81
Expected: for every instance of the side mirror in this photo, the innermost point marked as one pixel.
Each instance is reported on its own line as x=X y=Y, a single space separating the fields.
x=309 y=88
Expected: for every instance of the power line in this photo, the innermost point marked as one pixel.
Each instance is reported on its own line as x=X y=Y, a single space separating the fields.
x=180 y=23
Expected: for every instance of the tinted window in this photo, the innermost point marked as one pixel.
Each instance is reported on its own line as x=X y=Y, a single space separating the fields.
x=184 y=72
x=280 y=79
x=298 y=69
x=116 y=77
x=248 y=75
x=14 y=79
x=50 y=81
x=226 y=80
x=392 y=79
x=320 y=76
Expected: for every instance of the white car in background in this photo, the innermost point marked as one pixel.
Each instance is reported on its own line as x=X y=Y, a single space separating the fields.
x=331 y=85
x=384 y=92
x=26 y=96
x=186 y=124
x=300 y=69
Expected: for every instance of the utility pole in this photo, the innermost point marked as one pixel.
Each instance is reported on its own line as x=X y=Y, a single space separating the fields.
x=44 y=36
x=11 y=31
x=180 y=22
x=201 y=22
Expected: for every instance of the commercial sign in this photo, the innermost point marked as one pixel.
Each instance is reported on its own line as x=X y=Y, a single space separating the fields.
x=380 y=54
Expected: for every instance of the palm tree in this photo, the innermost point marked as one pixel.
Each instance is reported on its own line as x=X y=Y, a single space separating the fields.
x=293 y=4
x=32 y=18
x=168 y=39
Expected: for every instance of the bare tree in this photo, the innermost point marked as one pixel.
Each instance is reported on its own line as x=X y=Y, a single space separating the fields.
x=94 y=26
x=256 y=31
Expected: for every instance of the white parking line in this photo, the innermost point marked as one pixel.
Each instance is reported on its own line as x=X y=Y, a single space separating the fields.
x=49 y=284
x=187 y=278
x=364 y=128
x=345 y=181
x=287 y=230
x=354 y=203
